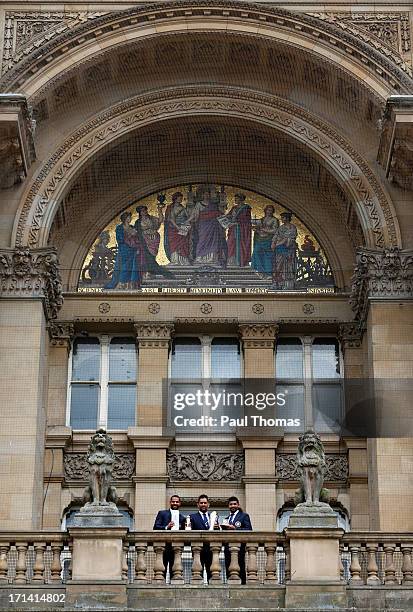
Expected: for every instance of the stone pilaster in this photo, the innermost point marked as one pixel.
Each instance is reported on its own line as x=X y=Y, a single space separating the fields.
x=30 y=292
x=258 y=341
x=153 y=342
x=382 y=300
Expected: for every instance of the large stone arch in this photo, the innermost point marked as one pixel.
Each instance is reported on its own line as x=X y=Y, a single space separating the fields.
x=42 y=196
x=367 y=60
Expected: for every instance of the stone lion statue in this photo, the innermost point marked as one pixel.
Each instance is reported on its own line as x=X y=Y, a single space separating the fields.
x=311 y=467
x=100 y=458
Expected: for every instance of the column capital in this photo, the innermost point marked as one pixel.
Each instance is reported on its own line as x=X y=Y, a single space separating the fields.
x=154 y=335
x=381 y=274
x=258 y=335
x=350 y=334
x=32 y=273
x=61 y=333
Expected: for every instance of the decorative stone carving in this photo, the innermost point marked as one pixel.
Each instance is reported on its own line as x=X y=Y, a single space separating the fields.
x=61 y=333
x=350 y=334
x=100 y=459
x=258 y=335
x=336 y=469
x=311 y=468
x=308 y=309
x=32 y=274
x=154 y=308
x=213 y=466
x=396 y=143
x=76 y=467
x=16 y=139
x=26 y=31
x=104 y=307
x=207 y=320
x=206 y=308
x=154 y=335
x=258 y=309
x=381 y=274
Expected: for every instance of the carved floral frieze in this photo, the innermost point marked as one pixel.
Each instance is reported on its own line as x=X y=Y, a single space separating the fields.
x=32 y=273
x=76 y=466
x=286 y=467
x=215 y=466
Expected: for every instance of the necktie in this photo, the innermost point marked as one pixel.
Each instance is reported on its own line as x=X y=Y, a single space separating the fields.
x=206 y=522
x=231 y=518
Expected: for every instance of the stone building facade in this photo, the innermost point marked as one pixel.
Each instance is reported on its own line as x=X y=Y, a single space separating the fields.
x=105 y=105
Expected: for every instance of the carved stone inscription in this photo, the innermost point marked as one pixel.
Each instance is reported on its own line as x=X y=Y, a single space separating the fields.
x=205 y=466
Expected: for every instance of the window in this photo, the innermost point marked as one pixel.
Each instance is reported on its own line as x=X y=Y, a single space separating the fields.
x=102 y=391
x=310 y=370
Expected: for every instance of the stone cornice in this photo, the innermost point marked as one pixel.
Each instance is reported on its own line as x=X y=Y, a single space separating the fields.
x=387 y=66
x=381 y=274
x=32 y=273
x=258 y=335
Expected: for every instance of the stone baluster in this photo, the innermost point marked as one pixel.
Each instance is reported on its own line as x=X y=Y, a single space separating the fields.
x=158 y=567
x=372 y=566
x=56 y=566
x=21 y=576
x=407 y=567
x=4 y=567
x=234 y=568
x=71 y=560
x=355 y=567
x=287 y=575
x=177 y=571
x=196 y=563
x=340 y=560
x=38 y=567
x=270 y=573
x=215 y=565
x=140 y=567
x=252 y=568
x=389 y=569
x=125 y=550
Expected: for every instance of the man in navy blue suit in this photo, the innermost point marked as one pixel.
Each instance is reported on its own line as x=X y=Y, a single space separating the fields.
x=237 y=519
x=164 y=521
x=202 y=520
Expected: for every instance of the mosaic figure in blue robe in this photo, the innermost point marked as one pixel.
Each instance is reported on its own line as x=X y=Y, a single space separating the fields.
x=264 y=230
x=126 y=273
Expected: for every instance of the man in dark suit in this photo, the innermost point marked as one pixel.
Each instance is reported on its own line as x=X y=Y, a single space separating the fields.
x=164 y=521
x=202 y=520
x=236 y=520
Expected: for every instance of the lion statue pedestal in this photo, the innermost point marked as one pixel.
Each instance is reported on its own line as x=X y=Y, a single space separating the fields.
x=314 y=536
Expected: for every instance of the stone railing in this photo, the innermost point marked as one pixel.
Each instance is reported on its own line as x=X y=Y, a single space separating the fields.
x=267 y=557
x=377 y=558
x=34 y=558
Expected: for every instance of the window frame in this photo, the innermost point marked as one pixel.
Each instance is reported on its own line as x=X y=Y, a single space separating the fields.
x=103 y=383
x=308 y=381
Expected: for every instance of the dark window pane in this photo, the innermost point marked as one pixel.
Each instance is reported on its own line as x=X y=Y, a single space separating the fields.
x=327 y=409
x=186 y=358
x=84 y=406
x=86 y=359
x=294 y=405
x=326 y=360
x=121 y=406
x=225 y=357
x=289 y=359
x=122 y=359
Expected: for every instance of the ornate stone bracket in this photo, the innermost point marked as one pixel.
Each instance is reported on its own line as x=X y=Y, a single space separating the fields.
x=32 y=273
x=77 y=468
x=386 y=274
x=205 y=466
x=286 y=467
x=258 y=335
x=350 y=334
x=396 y=142
x=16 y=139
x=61 y=333
x=154 y=335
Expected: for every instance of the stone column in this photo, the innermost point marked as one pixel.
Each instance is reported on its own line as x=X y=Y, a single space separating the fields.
x=30 y=293
x=382 y=298
x=153 y=341
x=258 y=341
